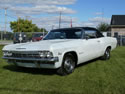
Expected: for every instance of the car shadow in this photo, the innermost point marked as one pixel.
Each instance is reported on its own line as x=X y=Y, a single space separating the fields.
x=30 y=70
x=41 y=71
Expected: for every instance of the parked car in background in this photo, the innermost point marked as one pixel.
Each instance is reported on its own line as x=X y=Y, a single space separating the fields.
x=19 y=37
x=37 y=37
x=61 y=49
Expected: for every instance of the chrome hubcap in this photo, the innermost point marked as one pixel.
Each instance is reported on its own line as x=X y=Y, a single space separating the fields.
x=69 y=65
x=107 y=54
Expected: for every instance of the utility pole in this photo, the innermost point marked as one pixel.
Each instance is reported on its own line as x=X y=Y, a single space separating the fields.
x=18 y=24
x=5 y=22
x=43 y=32
x=20 y=35
x=60 y=19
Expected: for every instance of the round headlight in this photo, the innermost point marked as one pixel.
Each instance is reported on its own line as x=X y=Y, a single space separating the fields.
x=42 y=54
x=45 y=54
x=6 y=53
x=49 y=54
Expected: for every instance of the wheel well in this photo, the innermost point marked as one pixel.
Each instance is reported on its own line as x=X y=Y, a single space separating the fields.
x=109 y=47
x=74 y=54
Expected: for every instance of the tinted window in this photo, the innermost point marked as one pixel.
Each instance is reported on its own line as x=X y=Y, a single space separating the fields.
x=99 y=34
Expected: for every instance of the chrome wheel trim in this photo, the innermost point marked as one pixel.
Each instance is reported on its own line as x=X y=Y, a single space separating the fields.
x=107 y=54
x=69 y=65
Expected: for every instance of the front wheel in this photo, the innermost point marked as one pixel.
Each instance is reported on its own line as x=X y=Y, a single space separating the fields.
x=106 y=55
x=68 y=65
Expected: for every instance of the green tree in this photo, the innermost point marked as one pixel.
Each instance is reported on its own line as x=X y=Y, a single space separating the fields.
x=43 y=30
x=103 y=27
x=22 y=25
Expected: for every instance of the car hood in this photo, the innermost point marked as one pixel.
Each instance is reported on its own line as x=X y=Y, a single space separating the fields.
x=36 y=46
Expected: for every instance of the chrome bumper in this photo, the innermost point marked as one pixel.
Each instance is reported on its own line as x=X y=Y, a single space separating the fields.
x=54 y=59
x=33 y=62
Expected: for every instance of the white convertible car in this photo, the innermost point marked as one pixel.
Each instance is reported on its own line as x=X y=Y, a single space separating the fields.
x=61 y=49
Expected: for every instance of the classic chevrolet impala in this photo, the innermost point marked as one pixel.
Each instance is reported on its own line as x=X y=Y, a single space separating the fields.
x=61 y=49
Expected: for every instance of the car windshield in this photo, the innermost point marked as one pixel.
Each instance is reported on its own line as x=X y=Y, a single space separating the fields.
x=64 y=34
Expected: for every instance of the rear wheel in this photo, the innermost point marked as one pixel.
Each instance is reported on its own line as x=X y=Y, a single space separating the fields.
x=68 y=65
x=106 y=55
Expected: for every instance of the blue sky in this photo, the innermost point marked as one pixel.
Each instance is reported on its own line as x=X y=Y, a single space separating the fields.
x=45 y=13
x=87 y=9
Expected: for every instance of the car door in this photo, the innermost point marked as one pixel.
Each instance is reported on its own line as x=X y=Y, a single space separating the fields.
x=90 y=46
x=101 y=45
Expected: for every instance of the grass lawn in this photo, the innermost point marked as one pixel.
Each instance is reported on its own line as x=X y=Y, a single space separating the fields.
x=95 y=77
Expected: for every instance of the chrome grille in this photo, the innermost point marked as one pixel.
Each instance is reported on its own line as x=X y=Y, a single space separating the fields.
x=26 y=55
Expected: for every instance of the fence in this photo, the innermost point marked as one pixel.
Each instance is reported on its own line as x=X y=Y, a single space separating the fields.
x=21 y=36
x=118 y=35
x=36 y=36
x=6 y=36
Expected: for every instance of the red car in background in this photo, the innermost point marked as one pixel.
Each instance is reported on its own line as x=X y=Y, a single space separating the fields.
x=37 y=37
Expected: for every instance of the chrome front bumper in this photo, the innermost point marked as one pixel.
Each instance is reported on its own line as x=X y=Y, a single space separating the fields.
x=33 y=62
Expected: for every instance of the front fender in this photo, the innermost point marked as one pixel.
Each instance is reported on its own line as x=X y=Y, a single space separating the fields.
x=60 y=54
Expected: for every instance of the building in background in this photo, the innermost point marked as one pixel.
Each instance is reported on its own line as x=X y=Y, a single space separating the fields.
x=118 y=28
x=118 y=25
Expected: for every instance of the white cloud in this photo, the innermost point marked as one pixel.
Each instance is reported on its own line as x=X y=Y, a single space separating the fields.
x=23 y=8
x=99 y=19
x=53 y=21
x=93 y=22
x=54 y=2
x=43 y=2
x=51 y=9
x=99 y=13
x=37 y=6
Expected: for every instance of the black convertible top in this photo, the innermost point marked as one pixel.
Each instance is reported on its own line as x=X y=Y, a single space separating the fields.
x=85 y=28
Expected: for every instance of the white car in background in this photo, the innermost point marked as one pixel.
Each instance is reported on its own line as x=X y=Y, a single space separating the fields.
x=61 y=49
